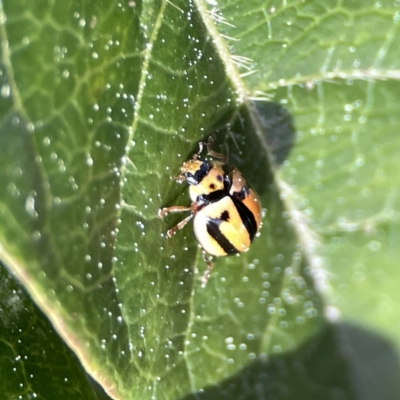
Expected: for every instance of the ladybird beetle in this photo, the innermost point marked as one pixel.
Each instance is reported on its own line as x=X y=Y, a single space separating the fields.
x=226 y=212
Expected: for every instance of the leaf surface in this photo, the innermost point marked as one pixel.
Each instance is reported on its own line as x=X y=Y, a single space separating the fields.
x=335 y=67
x=100 y=104
x=34 y=361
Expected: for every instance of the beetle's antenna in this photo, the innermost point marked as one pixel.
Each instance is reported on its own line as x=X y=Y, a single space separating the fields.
x=213 y=153
x=201 y=147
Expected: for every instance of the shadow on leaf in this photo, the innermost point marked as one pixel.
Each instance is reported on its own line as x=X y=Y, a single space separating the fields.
x=342 y=362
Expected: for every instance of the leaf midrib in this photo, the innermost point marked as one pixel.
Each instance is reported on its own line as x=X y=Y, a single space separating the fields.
x=307 y=238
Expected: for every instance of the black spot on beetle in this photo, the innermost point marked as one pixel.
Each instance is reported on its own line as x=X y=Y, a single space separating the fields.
x=220 y=178
x=212 y=186
x=244 y=192
x=225 y=216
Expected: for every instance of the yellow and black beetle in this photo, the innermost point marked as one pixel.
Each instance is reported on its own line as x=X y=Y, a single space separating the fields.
x=226 y=212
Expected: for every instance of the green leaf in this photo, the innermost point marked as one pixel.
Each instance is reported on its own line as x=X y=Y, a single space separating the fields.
x=34 y=362
x=338 y=70
x=101 y=103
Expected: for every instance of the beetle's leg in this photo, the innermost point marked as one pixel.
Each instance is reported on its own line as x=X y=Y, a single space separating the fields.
x=207 y=272
x=194 y=208
x=179 y=178
x=213 y=153
x=179 y=226
x=164 y=211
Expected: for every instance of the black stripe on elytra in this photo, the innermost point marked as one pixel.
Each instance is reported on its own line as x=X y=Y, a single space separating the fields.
x=244 y=192
x=211 y=198
x=247 y=217
x=213 y=230
x=216 y=195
